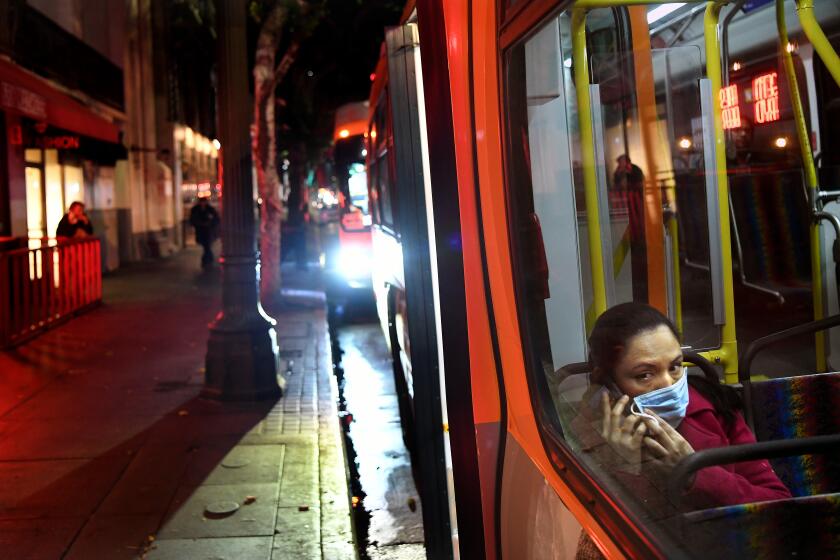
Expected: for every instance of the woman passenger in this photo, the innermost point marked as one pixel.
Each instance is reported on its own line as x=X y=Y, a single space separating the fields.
x=652 y=414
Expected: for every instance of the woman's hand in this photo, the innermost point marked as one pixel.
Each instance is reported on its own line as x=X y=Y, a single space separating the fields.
x=624 y=434
x=665 y=444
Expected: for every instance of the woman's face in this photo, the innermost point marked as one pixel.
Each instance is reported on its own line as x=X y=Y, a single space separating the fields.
x=652 y=360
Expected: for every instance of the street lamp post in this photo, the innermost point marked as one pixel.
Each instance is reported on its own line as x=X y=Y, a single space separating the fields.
x=242 y=348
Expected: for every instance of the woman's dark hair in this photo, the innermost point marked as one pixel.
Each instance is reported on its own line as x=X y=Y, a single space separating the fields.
x=617 y=325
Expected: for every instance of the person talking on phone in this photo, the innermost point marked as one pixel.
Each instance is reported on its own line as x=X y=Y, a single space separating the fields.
x=652 y=413
x=75 y=222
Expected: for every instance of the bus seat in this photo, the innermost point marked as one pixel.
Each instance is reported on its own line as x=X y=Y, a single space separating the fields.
x=796 y=407
x=772 y=216
x=775 y=529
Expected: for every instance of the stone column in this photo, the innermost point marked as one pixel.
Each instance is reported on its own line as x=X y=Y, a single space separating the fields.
x=242 y=349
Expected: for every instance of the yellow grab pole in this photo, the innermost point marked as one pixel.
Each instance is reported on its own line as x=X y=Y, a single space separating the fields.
x=587 y=154
x=673 y=231
x=808 y=164
x=727 y=356
x=812 y=29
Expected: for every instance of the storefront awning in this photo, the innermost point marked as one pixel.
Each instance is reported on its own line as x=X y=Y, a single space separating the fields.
x=26 y=94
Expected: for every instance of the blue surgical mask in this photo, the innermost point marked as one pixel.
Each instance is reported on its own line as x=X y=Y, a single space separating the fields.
x=669 y=403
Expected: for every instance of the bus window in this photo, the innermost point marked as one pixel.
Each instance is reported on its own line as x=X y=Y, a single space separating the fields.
x=638 y=180
x=357 y=186
x=386 y=193
x=380 y=141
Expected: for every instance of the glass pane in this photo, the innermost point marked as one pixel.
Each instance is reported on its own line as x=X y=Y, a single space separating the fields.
x=74 y=185
x=653 y=151
x=34 y=204
x=54 y=191
x=653 y=178
x=33 y=155
x=561 y=219
x=385 y=194
x=357 y=185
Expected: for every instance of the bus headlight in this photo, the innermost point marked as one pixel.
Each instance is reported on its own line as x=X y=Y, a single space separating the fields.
x=354 y=263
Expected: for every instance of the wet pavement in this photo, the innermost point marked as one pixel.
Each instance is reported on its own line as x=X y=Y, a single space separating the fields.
x=395 y=526
x=107 y=450
x=388 y=516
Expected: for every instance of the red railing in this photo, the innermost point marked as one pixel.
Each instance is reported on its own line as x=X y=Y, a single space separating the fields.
x=45 y=284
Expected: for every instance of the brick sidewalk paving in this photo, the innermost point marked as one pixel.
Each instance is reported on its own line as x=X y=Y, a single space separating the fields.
x=106 y=451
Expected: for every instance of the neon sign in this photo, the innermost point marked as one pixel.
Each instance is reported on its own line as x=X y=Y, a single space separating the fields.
x=765 y=89
x=729 y=108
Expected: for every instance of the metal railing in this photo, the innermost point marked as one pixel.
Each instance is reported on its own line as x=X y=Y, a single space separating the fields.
x=46 y=284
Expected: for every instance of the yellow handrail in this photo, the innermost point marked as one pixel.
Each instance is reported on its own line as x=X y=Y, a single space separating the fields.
x=727 y=355
x=587 y=156
x=808 y=164
x=812 y=29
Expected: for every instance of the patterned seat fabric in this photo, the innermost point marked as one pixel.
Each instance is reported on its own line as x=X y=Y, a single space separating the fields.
x=807 y=527
x=796 y=407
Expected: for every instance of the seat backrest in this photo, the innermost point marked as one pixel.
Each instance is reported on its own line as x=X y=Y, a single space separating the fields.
x=795 y=407
x=793 y=528
x=773 y=216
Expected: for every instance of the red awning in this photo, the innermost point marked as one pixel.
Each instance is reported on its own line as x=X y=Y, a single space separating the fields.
x=24 y=93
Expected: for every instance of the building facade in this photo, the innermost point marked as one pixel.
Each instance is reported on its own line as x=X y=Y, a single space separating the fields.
x=89 y=103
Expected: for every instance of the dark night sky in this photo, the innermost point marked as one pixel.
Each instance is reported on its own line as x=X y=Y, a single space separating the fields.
x=340 y=54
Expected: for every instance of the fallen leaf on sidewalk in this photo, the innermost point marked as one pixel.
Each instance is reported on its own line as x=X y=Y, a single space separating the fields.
x=249 y=500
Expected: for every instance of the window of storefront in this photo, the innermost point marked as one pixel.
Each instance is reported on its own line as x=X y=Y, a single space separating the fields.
x=36 y=219
x=50 y=189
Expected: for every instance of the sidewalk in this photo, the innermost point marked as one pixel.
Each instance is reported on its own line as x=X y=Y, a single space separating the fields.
x=106 y=450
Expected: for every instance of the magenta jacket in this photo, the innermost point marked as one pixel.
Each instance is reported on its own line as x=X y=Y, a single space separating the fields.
x=726 y=485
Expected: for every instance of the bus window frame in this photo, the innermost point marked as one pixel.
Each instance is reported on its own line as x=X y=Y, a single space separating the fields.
x=523 y=18
x=621 y=521
x=382 y=151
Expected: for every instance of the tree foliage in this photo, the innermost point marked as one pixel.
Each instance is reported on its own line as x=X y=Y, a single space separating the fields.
x=333 y=67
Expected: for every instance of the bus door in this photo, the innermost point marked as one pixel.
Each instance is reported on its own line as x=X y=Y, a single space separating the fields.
x=420 y=318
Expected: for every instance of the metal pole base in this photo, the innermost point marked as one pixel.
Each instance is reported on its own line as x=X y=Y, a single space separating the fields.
x=242 y=365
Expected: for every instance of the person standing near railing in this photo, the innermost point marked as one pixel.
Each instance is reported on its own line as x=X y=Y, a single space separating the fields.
x=75 y=222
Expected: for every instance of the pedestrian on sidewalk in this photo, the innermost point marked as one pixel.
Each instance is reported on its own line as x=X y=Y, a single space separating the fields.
x=205 y=219
x=75 y=222
x=294 y=229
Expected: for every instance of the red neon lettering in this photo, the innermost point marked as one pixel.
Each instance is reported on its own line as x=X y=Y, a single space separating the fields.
x=731 y=118
x=730 y=111
x=766 y=96
x=729 y=96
